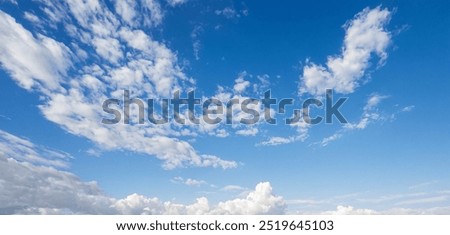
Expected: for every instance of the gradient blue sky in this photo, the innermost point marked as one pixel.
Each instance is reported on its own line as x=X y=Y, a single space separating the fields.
x=397 y=161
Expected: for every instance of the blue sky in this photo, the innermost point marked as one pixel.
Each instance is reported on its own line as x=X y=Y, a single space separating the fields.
x=61 y=60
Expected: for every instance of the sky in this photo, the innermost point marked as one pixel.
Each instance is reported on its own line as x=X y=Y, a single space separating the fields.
x=61 y=60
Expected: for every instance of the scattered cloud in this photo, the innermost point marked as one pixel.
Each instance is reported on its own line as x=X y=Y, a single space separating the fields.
x=370 y=113
x=240 y=83
x=228 y=12
x=41 y=64
x=31 y=61
x=42 y=188
x=31 y=17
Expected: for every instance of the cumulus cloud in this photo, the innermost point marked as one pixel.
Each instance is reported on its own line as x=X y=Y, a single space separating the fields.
x=33 y=184
x=259 y=201
x=365 y=36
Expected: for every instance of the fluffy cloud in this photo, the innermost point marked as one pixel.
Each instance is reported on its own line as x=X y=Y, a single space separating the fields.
x=365 y=35
x=260 y=201
x=32 y=61
x=42 y=64
x=32 y=184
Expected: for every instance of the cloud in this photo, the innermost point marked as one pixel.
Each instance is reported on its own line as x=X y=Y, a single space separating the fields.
x=232 y=188
x=276 y=140
x=35 y=185
x=331 y=138
x=196 y=44
x=23 y=150
x=228 y=12
x=108 y=48
x=188 y=181
x=31 y=61
x=126 y=9
x=176 y=2
x=248 y=132
x=241 y=84
x=408 y=108
x=41 y=64
x=31 y=17
x=349 y=210
x=370 y=113
x=365 y=35
x=259 y=201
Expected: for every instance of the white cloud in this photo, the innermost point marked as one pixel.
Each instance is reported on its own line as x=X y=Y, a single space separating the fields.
x=365 y=35
x=155 y=15
x=196 y=44
x=29 y=188
x=108 y=48
x=176 y=2
x=126 y=9
x=331 y=138
x=228 y=12
x=349 y=210
x=370 y=113
x=260 y=201
x=23 y=150
x=248 y=131
x=32 y=61
x=188 y=181
x=241 y=84
x=232 y=188
x=41 y=63
x=408 y=108
x=277 y=140
x=35 y=185
x=31 y=17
